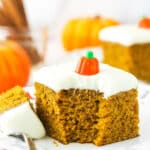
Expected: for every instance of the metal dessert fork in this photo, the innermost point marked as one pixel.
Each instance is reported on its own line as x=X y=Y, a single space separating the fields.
x=23 y=137
x=29 y=142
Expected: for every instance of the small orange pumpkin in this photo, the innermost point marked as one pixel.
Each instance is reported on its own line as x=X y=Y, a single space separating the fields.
x=144 y=23
x=83 y=32
x=14 y=65
x=88 y=65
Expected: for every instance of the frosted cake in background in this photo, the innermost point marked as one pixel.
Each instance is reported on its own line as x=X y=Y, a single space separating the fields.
x=128 y=47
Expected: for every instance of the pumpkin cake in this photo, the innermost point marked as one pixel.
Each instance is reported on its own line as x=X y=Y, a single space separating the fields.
x=128 y=47
x=17 y=115
x=90 y=103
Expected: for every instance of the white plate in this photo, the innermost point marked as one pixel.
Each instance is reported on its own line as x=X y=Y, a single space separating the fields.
x=140 y=143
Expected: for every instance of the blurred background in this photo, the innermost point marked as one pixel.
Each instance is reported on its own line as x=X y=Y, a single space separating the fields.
x=49 y=12
x=52 y=31
x=56 y=13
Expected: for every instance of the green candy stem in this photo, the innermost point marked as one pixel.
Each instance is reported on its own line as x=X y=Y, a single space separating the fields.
x=89 y=54
x=143 y=17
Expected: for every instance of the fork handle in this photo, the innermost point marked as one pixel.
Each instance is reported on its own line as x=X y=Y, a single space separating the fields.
x=29 y=142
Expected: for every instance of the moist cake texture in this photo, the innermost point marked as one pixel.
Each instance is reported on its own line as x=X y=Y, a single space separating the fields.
x=85 y=116
x=86 y=112
x=12 y=98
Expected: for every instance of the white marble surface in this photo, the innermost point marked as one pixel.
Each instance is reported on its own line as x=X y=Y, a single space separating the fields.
x=139 y=143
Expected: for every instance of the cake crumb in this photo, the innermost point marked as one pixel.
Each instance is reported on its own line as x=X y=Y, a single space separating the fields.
x=55 y=143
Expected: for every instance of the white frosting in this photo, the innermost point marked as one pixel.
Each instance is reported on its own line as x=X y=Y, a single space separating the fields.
x=125 y=34
x=109 y=81
x=22 y=119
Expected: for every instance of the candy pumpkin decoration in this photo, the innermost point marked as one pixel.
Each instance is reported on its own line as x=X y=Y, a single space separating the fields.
x=14 y=65
x=83 y=32
x=144 y=22
x=88 y=65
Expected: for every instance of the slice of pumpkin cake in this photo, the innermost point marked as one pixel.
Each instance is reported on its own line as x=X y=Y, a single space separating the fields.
x=90 y=103
x=17 y=114
x=128 y=47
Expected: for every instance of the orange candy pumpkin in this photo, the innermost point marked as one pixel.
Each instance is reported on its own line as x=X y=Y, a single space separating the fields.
x=14 y=65
x=144 y=23
x=83 y=32
x=88 y=65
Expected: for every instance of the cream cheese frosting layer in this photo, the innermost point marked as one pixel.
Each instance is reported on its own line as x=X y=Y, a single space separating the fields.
x=125 y=34
x=22 y=119
x=109 y=81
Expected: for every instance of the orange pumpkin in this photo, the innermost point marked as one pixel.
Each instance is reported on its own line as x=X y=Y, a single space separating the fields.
x=14 y=65
x=83 y=32
x=144 y=23
x=88 y=65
